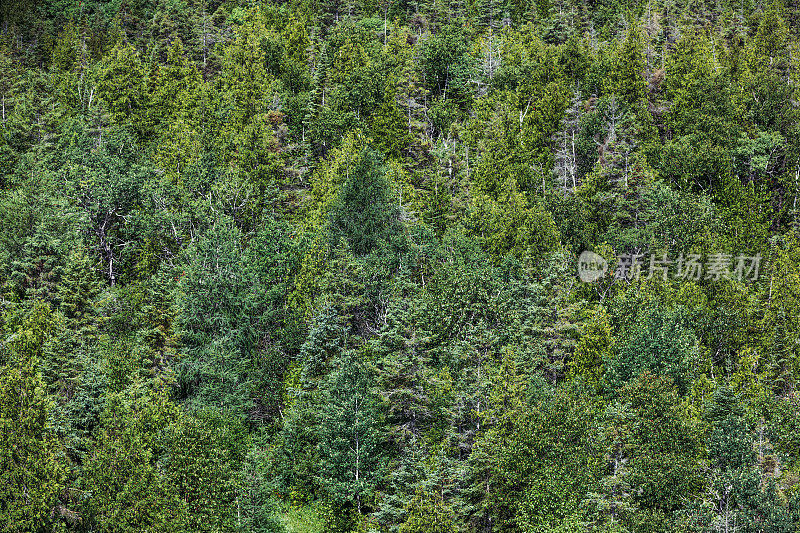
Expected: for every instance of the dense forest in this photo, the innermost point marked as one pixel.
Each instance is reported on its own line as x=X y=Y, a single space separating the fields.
x=409 y=266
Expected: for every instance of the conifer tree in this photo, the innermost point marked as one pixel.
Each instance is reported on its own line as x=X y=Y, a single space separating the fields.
x=627 y=80
x=127 y=488
x=247 y=93
x=121 y=87
x=32 y=464
x=362 y=211
x=349 y=446
x=566 y=156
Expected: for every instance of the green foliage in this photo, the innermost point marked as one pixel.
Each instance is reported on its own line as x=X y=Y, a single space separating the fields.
x=104 y=177
x=362 y=211
x=32 y=463
x=311 y=266
x=627 y=77
x=660 y=342
x=595 y=349
x=428 y=514
x=650 y=457
x=230 y=315
x=446 y=65
x=537 y=469
x=127 y=490
x=121 y=86
x=204 y=449
x=349 y=443
x=509 y=226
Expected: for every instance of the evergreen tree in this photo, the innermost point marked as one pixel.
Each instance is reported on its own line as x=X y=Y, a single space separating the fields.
x=362 y=211
x=429 y=515
x=349 y=432
x=121 y=87
x=32 y=465
x=126 y=487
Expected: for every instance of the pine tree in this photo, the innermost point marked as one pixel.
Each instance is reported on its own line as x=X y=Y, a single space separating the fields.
x=566 y=156
x=779 y=325
x=128 y=490
x=349 y=446
x=389 y=127
x=105 y=176
x=410 y=95
x=121 y=87
x=610 y=502
x=510 y=225
x=537 y=453
x=78 y=288
x=594 y=349
x=428 y=514
x=658 y=341
x=32 y=468
x=201 y=462
x=403 y=372
x=362 y=211
x=617 y=145
x=246 y=92
x=627 y=80
x=175 y=91
x=739 y=497
x=208 y=30
x=664 y=455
